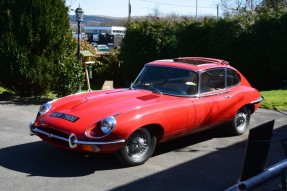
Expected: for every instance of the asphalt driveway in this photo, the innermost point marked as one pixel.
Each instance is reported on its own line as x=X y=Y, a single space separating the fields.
x=207 y=161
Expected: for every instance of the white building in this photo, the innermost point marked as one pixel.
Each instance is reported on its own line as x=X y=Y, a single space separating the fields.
x=112 y=30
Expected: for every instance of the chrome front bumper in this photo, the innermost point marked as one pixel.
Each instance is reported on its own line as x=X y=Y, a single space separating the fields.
x=72 y=140
x=257 y=100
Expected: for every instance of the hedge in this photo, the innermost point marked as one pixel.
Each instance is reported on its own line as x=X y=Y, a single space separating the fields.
x=258 y=48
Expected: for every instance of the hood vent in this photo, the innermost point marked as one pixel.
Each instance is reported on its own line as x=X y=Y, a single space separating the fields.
x=148 y=97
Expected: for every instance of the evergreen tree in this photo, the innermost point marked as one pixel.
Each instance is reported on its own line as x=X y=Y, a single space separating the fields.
x=37 y=50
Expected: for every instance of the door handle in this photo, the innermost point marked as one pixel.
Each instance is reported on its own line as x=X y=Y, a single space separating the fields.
x=227 y=97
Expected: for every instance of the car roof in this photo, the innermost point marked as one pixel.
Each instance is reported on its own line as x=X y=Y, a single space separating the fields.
x=192 y=63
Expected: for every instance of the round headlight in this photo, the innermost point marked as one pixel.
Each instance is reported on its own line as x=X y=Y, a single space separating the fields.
x=45 y=108
x=108 y=124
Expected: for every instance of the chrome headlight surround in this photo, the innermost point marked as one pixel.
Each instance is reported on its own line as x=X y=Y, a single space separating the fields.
x=44 y=108
x=107 y=125
x=101 y=129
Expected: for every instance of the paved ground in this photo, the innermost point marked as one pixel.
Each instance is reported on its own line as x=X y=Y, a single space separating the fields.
x=207 y=161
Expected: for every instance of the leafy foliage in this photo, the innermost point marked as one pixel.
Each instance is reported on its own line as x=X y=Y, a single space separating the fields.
x=256 y=45
x=146 y=41
x=68 y=74
x=106 y=67
x=88 y=46
x=109 y=67
x=36 y=47
x=245 y=7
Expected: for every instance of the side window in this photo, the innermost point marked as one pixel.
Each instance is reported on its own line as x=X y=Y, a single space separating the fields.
x=232 y=78
x=213 y=79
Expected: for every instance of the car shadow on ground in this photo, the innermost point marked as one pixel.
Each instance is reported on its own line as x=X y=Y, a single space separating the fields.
x=215 y=171
x=9 y=98
x=220 y=168
x=178 y=144
x=42 y=159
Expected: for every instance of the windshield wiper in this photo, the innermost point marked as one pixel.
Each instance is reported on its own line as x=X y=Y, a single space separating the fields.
x=149 y=85
x=132 y=86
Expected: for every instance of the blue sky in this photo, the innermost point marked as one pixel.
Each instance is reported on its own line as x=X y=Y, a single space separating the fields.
x=119 y=8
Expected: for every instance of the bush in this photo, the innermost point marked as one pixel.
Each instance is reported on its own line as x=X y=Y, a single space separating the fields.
x=146 y=41
x=255 y=45
x=108 y=69
x=68 y=73
x=36 y=47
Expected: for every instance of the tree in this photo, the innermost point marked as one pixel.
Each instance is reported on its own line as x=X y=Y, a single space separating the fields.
x=274 y=4
x=239 y=7
x=37 y=50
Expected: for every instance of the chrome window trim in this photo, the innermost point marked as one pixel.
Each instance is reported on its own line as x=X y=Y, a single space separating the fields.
x=215 y=92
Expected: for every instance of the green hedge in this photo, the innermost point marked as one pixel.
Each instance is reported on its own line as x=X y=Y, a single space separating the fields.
x=257 y=46
x=145 y=41
x=37 y=50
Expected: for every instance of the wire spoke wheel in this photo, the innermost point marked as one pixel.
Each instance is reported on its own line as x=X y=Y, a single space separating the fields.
x=241 y=121
x=138 y=148
x=138 y=144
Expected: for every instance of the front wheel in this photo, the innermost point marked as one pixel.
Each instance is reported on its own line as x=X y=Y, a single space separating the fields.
x=138 y=148
x=241 y=121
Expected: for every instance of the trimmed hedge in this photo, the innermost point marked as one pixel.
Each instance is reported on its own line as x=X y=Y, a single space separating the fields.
x=145 y=41
x=37 y=49
x=257 y=47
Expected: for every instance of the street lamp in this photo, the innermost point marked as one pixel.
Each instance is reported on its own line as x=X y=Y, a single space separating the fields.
x=79 y=17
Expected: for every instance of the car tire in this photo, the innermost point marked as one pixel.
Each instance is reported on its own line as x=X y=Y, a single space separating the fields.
x=240 y=121
x=138 y=148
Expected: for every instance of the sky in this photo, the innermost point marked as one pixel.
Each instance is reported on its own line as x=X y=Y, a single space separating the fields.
x=119 y=8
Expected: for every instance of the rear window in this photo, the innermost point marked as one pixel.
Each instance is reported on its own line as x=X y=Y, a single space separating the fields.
x=213 y=79
x=233 y=78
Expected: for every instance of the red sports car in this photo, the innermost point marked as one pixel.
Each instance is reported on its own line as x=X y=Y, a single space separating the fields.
x=169 y=99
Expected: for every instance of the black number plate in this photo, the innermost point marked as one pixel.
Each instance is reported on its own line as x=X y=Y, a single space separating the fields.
x=65 y=116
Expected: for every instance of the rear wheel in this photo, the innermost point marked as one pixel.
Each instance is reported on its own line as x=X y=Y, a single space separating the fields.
x=241 y=121
x=138 y=148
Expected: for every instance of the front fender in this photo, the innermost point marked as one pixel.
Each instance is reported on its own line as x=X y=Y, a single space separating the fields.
x=171 y=117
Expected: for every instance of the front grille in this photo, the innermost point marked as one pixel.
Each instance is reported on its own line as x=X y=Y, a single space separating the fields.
x=53 y=131
x=52 y=139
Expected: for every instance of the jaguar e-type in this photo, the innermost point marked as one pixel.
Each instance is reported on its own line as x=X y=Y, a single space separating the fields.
x=169 y=99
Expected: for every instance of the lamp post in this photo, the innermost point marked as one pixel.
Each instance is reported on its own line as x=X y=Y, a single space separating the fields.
x=79 y=17
x=196 y=9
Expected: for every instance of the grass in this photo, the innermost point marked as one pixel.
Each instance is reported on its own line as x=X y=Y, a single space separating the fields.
x=2 y=90
x=274 y=99
x=6 y=95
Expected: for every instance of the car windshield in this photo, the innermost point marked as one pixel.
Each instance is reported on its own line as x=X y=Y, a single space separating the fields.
x=167 y=80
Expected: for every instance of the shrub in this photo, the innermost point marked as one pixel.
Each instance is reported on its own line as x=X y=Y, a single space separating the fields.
x=146 y=41
x=36 y=47
x=108 y=69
